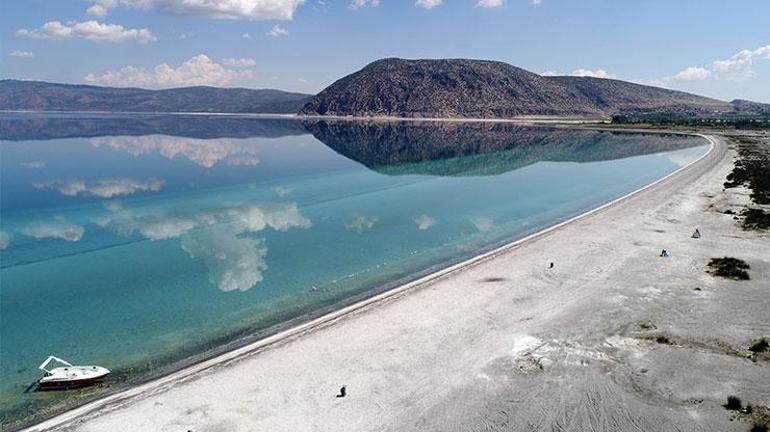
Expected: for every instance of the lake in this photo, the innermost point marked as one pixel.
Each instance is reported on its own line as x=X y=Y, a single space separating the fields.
x=144 y=243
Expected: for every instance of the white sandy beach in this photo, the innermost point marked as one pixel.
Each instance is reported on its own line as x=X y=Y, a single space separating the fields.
x=509 y=344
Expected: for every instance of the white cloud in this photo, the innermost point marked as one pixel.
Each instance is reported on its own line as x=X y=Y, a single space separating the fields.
x=427 y=4
x=198 y=70
x=489 y=3
x=5 y=240
x=482 y=224
x=97 y=10
x=361 y=223
x=204 y=152
x=239 y=62
x=358 y=4
x=693 y=73
x=737 y=67
x=246 y=36
x=22 y=54
x=105 y=188
x=253 y=10
x=100 y=8
x=551 y=73
x=277 y=31
x=186 y=35
x=537 y=2
x=89 y=30
x=598 y=73
x=57 y=229
x=424 y=222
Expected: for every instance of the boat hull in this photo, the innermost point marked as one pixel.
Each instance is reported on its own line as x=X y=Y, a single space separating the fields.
x=69 y=384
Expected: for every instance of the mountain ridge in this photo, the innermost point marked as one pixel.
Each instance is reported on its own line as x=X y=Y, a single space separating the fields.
x=44 y=96
x=394 y=87
x=492 y=89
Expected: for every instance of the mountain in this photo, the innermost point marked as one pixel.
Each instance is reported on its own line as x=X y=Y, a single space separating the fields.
x=486 y=89
x=479 y=148
x=43 y=96
x=750 y=108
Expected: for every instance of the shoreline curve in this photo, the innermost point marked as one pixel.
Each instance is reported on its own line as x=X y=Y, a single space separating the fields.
x=120 y=398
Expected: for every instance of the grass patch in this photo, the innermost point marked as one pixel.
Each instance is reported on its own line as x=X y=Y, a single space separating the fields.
x=758 y=416
x=728 y=267
x=760 y=419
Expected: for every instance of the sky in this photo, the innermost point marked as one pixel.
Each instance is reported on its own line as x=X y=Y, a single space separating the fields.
x=714 y=48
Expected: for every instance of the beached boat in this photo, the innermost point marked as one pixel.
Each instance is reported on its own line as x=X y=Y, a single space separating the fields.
x=69 y=376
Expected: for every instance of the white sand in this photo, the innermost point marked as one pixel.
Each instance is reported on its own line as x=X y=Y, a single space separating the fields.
x=508 y=344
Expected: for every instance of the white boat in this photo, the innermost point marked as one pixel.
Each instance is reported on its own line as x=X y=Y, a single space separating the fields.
x=69 y=376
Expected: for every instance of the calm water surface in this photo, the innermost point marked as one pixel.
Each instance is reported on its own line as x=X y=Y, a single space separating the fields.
x=141 y=243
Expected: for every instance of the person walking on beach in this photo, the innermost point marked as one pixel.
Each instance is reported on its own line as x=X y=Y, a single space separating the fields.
x=343 y=392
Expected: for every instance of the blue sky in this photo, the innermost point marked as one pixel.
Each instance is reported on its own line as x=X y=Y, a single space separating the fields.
x=715 y=48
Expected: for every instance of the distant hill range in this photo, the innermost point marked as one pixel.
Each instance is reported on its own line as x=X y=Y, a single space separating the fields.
x=454 y=88
x=490 y=89
x=43 y=96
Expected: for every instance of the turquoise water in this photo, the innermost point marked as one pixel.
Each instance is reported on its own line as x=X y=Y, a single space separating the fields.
x=139 y=243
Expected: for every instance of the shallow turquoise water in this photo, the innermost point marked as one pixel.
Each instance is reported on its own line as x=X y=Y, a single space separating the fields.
x=138 y=242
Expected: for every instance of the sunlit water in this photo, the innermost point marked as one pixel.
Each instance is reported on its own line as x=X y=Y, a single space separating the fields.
x=140 y=243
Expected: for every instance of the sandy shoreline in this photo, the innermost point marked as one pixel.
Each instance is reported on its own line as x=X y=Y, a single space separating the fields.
x=418 y=361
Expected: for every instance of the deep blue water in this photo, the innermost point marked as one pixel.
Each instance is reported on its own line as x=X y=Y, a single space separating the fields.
x=136 y=242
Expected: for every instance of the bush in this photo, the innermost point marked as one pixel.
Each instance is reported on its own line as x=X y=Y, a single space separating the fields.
x=759 y=346
x=755 y=219
x=728 y=267
x=733 y=403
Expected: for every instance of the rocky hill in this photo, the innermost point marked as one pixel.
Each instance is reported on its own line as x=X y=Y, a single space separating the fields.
x=43 y=96
x=486 y=89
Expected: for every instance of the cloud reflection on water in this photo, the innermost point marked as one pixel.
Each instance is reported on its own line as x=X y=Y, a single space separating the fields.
x=5 y=240
x=204 y=152
x=58 y=228
x=361 y=223
x=219 y=237
x=424 y=222
x=105 y=188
